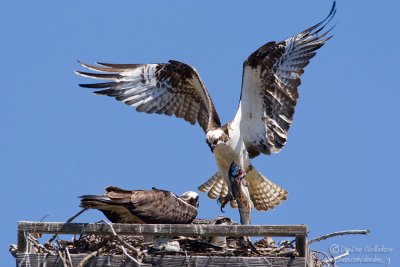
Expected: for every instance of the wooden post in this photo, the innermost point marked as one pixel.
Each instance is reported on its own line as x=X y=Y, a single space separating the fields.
x=22 y=241
x=301 y=244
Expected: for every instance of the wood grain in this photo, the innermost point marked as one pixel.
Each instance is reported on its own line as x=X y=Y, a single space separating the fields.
x=163 y=229
x=39 y=260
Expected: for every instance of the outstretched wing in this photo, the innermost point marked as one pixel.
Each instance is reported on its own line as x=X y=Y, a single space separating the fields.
x=271 y=76
x=172 y=88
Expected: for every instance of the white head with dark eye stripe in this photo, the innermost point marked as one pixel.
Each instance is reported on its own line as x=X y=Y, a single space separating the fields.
x=191 y=198
x=216 y=137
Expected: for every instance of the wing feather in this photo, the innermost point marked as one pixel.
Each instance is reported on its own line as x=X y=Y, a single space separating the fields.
x=161 y=206
x=271 y=77
x=170 y=88
x=141 y=206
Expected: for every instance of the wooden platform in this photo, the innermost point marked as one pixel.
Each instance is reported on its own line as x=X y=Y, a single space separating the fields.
x=26 y=257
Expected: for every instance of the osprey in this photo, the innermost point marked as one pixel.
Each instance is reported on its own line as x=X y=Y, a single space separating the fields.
x=271 y=76
x=144 y=206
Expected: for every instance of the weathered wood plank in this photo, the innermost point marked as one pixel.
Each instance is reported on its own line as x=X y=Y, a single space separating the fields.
x=40 y=260
x=163 y=229
x=213 y=261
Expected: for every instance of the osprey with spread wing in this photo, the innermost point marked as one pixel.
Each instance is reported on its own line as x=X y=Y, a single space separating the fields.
x=271 y=76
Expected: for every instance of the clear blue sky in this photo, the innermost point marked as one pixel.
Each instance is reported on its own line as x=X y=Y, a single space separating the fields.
x=59 y=141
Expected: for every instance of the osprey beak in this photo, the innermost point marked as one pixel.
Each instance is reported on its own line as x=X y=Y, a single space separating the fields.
x=210 y=145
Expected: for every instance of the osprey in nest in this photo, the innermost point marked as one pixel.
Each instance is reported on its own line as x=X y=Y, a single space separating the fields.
x=144 y=206
x=271 y=77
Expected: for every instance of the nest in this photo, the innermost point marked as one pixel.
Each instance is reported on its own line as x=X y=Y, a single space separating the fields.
x=138 y=248
x=179 y=245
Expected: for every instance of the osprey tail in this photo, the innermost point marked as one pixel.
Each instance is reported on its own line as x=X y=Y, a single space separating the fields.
x=94 y=201
x=264 y=194
x=114 y=209
x=216 y=187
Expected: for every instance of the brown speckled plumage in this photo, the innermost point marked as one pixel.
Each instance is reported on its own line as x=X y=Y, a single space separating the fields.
x=141 y=206
x=172 y=88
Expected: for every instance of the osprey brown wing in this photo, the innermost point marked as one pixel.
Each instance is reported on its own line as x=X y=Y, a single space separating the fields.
x=159 y=206
x=173 y=88
x=141 y=206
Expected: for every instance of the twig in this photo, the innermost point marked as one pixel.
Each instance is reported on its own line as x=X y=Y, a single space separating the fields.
x=129 y=256
x=119 y=238
x=44 y=217
x=292 y=253
x=37 y=244
x=327 y=257
x=332 y=260
x=285 y=245
x=83 y=262
x=67 y=259
x=65 y=264
x=68 y=256
x=123 y=242
x=349 y=232
x=252 y=247
x=68 y=221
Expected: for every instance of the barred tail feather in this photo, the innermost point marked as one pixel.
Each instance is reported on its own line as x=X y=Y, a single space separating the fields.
x=264 y=193
x=205 y=187
x=216 y=187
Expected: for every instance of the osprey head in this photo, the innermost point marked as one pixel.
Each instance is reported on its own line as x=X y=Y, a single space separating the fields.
x=216 y=137
x=191 y=198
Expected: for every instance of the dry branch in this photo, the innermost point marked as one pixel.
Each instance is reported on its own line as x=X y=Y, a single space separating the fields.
x=67 y=221
x=124 y=243
x=90 y=256
x=39 y=247
x=333 y=260
x=65 y=264
x=349 y=232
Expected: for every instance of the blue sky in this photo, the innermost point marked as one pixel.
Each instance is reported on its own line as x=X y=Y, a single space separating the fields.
x=59 y=141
